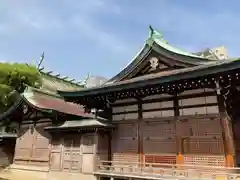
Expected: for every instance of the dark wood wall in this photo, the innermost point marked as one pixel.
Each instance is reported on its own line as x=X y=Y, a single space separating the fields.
x=182 y=128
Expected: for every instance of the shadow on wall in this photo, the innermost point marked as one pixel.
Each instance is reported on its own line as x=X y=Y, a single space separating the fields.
x=7 y=149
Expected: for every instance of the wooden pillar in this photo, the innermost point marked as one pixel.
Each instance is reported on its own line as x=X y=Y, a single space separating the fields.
x=227 y=132
x=139 y=129
x=109 y=135
x=179 y=158
x=109 y=139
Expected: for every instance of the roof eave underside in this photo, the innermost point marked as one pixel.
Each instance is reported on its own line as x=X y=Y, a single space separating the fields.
x=188 y=73
x=82 y=124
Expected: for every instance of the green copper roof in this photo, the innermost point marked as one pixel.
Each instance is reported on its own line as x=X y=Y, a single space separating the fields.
x=53 y=83
x=157 y=43
x=155 y=36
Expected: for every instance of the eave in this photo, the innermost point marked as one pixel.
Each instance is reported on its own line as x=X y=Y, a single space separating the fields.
x=49 y=103
x=157 y=79
x=46 y=103
x=81 y=124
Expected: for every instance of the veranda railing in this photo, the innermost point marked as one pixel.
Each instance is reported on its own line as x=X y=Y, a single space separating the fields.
x=166 y=171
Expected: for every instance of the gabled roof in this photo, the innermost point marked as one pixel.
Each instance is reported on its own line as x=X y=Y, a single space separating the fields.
x=157 y=43
x=52 y=103
x=46 y=102
x=52 y=83
x=213 y=67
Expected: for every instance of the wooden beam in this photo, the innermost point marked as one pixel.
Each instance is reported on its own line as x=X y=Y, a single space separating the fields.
x=109 y=135
x=179 y=139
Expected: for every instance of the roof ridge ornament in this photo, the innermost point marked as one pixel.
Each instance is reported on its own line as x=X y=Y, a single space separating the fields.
x=156 y=34
x=84 y=82
x=41 y=61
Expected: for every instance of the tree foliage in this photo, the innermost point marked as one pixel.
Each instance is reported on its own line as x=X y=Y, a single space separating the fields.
x=13 y=78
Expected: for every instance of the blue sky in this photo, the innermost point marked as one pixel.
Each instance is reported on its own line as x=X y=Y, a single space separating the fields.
x=102 y=36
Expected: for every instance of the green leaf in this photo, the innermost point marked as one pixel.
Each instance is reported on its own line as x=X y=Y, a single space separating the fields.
x=15 y=76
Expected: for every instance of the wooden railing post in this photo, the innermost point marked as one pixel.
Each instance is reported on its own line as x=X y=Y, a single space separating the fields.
x=179 y=159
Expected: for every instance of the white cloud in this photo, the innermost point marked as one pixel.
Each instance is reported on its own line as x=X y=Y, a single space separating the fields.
x=103 y=38
x=43 y=20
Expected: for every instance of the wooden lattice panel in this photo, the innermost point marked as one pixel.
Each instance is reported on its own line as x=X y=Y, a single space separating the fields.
x=124 y=157
x=204 y=160
x=206 y=126
x=125 y=145
x=165 y=159
x=159 y=145
x=125 y=141
x=125 y=130
x=158 y=128
x=159 y=137
x=206 y=145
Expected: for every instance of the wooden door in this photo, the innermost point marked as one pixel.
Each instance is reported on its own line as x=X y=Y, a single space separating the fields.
x=41 y=146
x=23 y=148
x=56 y=154
x=72 y=154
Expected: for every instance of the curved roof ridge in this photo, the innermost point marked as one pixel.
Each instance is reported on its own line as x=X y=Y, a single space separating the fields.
x=157 y=37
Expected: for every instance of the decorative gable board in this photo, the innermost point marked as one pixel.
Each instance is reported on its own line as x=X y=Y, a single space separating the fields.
x=154 y=63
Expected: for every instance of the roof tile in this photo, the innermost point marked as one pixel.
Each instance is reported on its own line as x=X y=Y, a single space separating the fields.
x=49 y=102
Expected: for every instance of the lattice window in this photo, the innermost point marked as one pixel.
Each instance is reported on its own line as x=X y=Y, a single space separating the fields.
x=199 y=127
x=126 y=145
x=204 y=160
x=126 y=130
x=124 y=157
x=160 y=159
x=157 y=146
x=197 y=145
x=159 y=129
